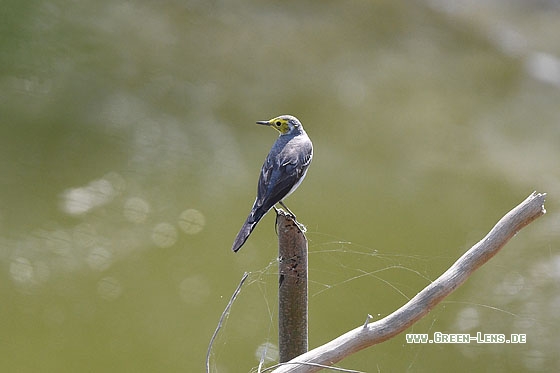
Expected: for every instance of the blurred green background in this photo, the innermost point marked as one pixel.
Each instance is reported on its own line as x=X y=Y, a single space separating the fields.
x=129 y=159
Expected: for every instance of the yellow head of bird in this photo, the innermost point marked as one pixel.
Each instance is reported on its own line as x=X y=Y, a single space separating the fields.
x=283 y=124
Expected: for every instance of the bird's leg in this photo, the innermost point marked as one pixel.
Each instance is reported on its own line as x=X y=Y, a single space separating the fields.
x=287 y=209
x=293 y=216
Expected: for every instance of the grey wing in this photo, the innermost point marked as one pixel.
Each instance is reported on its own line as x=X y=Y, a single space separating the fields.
x=278 y=178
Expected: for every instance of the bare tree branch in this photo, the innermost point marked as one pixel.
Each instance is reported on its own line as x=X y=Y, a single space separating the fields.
x=386 y=328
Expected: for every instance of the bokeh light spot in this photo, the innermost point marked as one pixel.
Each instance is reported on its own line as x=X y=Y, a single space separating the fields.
x=78 y=201
x=136 y=210
x=512 y=284
x=99 y=259
x=109 y=288
x=164 y=235
x=21 y=271
x=544 y=67
x=59 y=242
x=534 y=360
x=467 y=319
x=84 y=235
x=191 y=221
x=194 y=290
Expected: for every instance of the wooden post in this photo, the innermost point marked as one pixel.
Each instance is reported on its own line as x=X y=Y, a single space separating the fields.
x=292 y=290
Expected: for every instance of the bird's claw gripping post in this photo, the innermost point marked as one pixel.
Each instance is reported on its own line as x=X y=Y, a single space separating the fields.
x=292 y=217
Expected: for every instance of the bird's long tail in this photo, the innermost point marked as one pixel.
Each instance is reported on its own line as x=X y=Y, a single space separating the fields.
x=246 y=230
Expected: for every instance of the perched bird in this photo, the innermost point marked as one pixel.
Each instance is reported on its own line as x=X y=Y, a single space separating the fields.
x=282 y=171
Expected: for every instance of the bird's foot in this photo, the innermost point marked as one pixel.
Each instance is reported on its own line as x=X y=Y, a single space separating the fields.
x=292 y=216
x=288 y=210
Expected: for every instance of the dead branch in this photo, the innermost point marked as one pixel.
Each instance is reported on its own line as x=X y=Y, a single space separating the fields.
x=395 y=323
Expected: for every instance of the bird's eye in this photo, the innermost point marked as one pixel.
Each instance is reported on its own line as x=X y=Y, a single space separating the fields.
x=278 y=123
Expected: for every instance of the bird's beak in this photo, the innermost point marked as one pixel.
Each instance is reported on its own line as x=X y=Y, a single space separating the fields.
x=264 y=122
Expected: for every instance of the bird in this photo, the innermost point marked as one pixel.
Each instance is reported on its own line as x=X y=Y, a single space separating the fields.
x=283 y=171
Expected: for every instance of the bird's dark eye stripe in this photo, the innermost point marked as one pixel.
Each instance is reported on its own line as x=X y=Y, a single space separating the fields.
x=278 y=123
